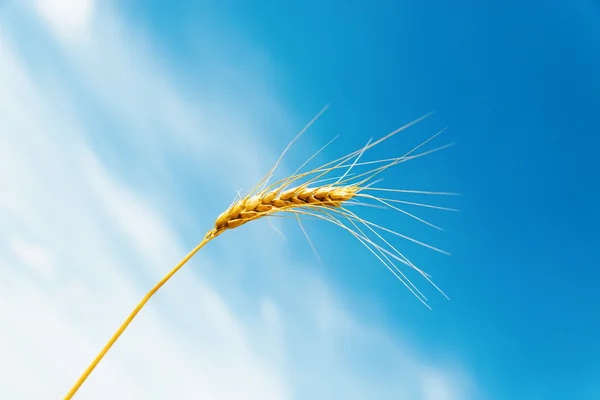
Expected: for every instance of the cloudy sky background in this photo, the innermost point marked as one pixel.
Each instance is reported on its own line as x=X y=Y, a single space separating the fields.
x=125 y=130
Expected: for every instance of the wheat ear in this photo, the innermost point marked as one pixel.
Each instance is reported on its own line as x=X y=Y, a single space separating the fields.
x=309 y=198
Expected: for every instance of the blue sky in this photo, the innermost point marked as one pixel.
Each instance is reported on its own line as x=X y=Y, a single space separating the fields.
x=125 y=130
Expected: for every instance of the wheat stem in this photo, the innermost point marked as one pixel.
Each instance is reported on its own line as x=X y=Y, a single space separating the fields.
x=239 y=213
x=132 y=315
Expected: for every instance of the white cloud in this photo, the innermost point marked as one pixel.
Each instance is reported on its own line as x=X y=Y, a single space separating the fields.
x=441 y=385
x=69 y=19
x=85 y=238
x=40 y=260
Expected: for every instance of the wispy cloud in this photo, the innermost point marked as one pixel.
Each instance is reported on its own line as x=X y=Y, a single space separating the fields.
x=69 y=19
x=86 y=228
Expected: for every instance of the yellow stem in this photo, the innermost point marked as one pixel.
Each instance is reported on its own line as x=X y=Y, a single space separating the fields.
x=209 y=236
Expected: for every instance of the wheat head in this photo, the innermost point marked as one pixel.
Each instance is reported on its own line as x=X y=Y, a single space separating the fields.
x=271 y=202
x=312 y=198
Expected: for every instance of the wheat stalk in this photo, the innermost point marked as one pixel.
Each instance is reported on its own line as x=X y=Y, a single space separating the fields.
x=311 y=198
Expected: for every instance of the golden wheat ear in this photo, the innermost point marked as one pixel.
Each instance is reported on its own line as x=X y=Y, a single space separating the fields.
x=312 y=197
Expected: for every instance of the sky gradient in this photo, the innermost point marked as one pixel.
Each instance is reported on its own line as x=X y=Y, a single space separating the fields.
x=126 y=129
